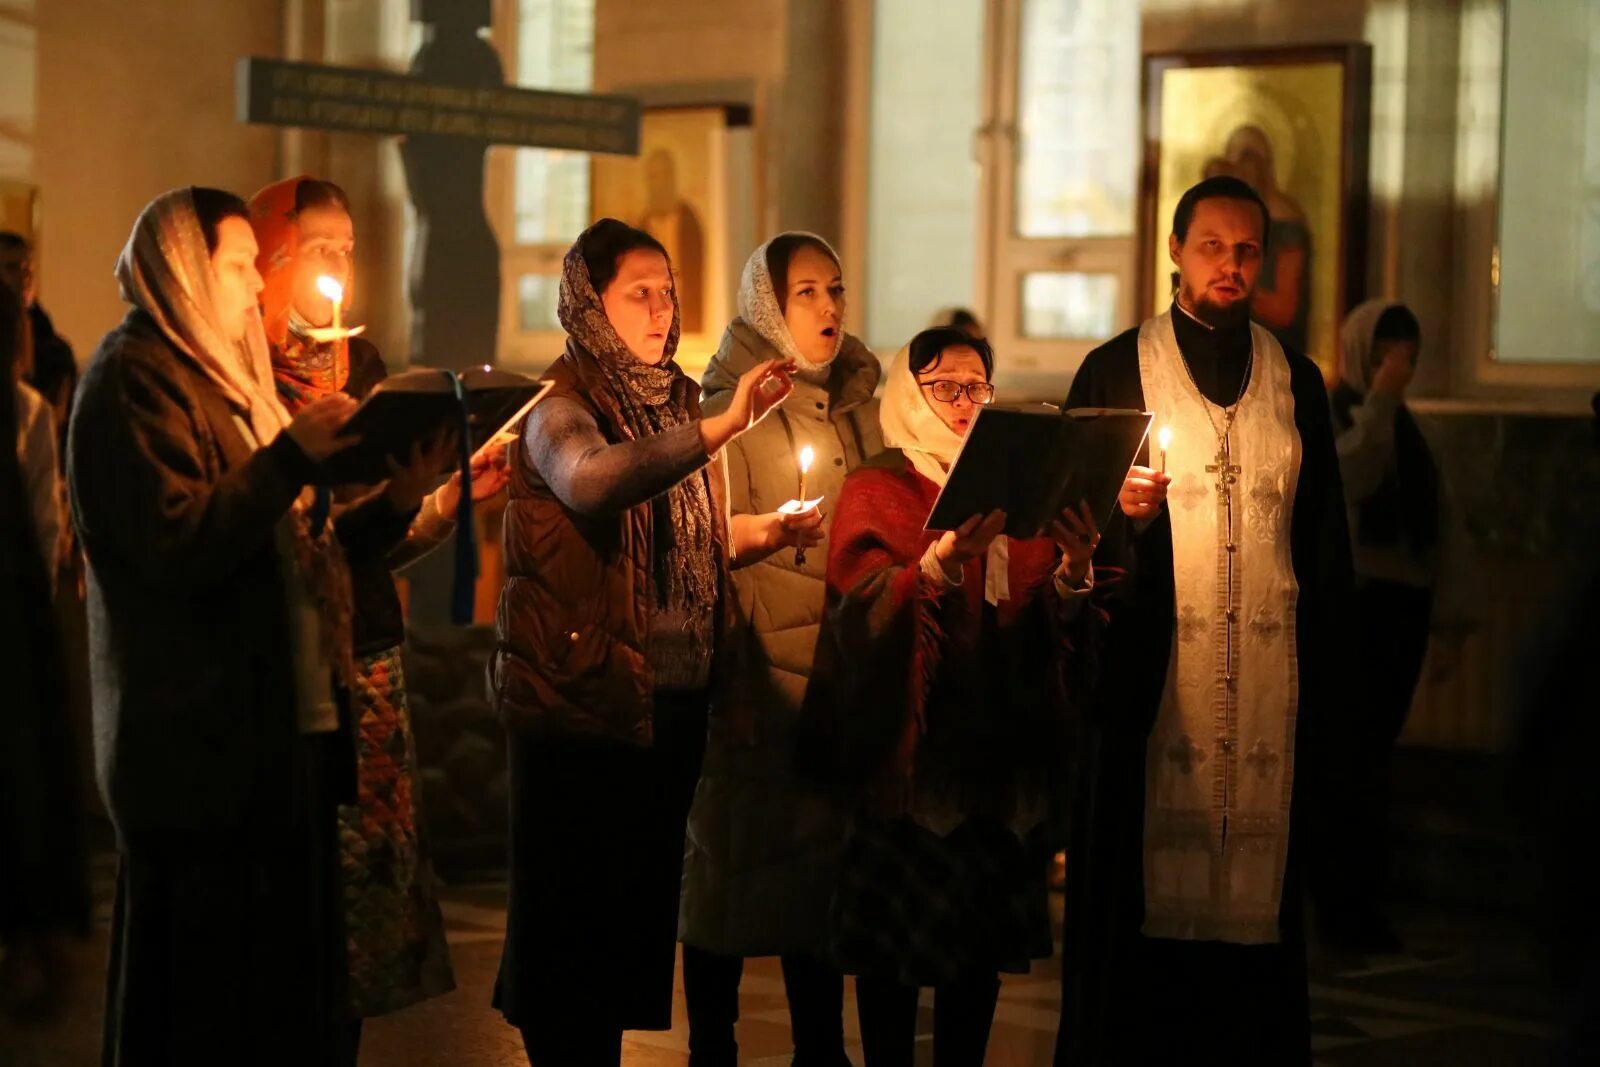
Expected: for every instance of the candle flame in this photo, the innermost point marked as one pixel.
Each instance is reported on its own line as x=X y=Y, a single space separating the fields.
x=806 y=458
x=329 y=287
x=1164 y=437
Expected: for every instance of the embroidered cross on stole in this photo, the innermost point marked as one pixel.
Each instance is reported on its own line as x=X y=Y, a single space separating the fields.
x=1220 y=759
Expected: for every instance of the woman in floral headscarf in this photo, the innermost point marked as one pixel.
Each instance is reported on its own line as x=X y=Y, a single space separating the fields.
x=618 y=547
x=394 y=929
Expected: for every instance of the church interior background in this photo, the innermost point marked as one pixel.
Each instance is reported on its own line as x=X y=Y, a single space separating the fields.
x=990 y=154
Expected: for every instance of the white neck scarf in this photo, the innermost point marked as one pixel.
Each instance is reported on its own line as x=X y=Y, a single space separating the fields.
x=911 y=425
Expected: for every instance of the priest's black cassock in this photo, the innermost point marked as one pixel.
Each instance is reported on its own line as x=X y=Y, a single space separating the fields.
x=1126 y=998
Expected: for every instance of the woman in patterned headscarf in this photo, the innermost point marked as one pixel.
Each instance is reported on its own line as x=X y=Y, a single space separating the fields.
x=393 y=927
x=618 y=547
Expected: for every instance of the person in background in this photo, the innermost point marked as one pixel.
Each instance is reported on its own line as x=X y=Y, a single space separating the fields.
x=47 y=363
x=616 y=604
x=220 y=650
x=44 y=892
x=1404 y=547
x=939 y=708
x=394 y=930
x=762 y=843
x=960 y=318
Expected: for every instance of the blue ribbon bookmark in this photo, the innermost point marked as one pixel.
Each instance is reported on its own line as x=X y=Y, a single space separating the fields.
x=464 y=585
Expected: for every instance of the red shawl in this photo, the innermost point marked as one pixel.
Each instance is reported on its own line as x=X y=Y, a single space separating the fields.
x=918 y=688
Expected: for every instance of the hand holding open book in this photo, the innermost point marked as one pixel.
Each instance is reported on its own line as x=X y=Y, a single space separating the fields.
x=1035 y=463
x=414 y=407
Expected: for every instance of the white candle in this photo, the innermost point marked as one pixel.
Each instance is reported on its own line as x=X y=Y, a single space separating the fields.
x=1164 y=438
x=807 y=457
x=329 y=287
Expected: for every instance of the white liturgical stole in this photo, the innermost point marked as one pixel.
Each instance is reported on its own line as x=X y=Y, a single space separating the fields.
x=1220 y=761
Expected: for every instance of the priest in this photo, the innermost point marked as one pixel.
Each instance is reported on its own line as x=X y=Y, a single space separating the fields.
x=1200 y=784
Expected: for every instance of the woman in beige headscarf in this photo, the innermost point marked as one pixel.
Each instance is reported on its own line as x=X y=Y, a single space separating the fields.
x=219 y=642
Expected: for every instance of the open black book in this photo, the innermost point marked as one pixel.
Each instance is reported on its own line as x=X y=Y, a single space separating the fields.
x=412 y=406
x=1033 y=462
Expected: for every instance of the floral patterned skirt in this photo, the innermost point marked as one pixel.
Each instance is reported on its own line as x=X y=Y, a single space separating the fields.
x=394 y=929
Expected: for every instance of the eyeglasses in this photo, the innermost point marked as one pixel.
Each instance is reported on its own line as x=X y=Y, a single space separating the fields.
x=945 y=391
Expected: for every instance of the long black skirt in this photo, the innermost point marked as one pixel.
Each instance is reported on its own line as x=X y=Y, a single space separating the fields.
x=228 y=946
x=596 y=861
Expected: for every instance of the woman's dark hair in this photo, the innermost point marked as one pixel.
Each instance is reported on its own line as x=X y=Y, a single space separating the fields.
x=314 y=192
x=1397 y=323
x=211 y=206
x=1221 y=187
x=928 y=348
x=780 y=250
x=605 y=243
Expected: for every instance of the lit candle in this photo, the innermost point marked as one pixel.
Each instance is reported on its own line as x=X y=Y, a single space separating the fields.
x=807 y=456
x=329 y=287
x=1164 y=438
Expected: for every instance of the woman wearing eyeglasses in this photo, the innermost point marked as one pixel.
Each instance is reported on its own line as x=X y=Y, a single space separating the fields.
x=938 y=705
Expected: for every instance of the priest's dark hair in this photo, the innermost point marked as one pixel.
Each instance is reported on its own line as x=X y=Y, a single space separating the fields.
x=211 y=206
x=928 y=348
x=1397 y=323
x=1220 y=187
x=12 y=241
x=780 y=250
x=605 y=243
x=314 y=193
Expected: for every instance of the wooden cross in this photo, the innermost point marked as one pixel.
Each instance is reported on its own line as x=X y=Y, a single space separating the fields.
x=452 y=108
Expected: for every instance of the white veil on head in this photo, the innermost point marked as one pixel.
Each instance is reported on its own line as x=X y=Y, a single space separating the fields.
x=911 y=425
x=760 y=307
x=165 y=270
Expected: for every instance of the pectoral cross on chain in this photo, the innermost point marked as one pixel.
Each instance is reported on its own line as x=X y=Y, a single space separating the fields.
x=1227 y=473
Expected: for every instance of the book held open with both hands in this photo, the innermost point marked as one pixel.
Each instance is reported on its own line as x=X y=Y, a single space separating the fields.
x=1035 y=461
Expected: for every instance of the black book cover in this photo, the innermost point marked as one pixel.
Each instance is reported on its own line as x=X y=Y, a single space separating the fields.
x=410 y=407
x=1033 y=462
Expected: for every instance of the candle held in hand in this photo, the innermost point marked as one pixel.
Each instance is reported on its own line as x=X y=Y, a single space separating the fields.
x=807 y=457
x=329 y=287
x=1164 y=438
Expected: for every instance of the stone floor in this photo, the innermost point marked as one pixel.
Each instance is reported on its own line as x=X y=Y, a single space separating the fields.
x=1470 y=995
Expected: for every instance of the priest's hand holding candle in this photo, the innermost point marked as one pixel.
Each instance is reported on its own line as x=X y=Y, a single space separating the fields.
x=1145 y=490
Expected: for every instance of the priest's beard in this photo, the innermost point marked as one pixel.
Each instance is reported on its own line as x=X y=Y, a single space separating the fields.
x=1216 y=316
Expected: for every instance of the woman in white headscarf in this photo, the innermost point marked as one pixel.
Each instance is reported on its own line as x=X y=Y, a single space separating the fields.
x=939 y=707
x=219 y=631
x=1404 y=547
x=762 y=845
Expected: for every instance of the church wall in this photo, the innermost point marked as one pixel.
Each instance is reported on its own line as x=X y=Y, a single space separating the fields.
x=134 y=99
x=18 y=48
x=786 y=59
